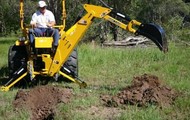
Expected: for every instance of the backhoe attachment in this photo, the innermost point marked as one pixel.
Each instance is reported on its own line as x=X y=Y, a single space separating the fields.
x=155 y=33
x=150 y=30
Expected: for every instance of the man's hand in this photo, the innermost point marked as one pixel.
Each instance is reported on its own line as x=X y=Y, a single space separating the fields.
x=50 y=24
x=33 y=24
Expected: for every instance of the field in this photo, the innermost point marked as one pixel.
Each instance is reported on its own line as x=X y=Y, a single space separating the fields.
x=107 y=70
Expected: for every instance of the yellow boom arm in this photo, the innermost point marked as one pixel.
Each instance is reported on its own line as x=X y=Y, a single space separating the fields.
x=73 y=35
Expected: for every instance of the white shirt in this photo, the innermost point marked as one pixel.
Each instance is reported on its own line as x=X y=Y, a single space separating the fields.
x=41 y=20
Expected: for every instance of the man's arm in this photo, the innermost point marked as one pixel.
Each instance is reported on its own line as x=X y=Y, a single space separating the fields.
x=51 y=20
x=33 y=20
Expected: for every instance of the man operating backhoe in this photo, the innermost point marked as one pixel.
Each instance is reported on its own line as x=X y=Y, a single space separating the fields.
x=27 y=63
x=42 y=22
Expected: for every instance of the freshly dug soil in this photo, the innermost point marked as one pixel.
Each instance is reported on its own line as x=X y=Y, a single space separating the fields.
x=41 y=101
x=145 y=90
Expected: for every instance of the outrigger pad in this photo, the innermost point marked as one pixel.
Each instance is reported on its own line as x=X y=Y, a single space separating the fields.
x=154 y=32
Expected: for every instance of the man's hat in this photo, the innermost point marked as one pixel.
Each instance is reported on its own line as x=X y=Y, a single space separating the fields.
x=42 y=4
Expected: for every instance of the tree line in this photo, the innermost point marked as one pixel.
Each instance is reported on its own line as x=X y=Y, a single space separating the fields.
x=168 y=13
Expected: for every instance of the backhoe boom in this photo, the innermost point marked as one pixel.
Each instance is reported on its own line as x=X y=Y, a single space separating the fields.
x=76 y=32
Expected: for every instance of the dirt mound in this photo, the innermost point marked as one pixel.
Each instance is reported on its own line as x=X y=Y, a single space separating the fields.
x=42 y=100
x=145 y=90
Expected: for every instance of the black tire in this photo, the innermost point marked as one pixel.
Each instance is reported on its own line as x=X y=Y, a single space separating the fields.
x=71 y=64
x=16 y=57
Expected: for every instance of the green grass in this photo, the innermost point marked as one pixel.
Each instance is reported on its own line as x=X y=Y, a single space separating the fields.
x=107 y=70
x=4 y=47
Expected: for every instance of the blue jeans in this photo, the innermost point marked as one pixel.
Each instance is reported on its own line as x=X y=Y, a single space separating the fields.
x=41 y=32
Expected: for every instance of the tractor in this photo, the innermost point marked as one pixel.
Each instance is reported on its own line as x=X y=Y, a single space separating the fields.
x=27 y=61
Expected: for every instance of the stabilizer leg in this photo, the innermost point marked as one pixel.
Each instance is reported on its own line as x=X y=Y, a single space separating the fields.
x=17 y=76
x=81 y=83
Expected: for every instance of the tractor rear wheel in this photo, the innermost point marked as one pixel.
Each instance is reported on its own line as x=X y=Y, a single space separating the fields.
x=16 y=57
x=71 y=65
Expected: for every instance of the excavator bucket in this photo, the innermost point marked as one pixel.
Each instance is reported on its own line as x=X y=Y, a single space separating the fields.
x=155 y=33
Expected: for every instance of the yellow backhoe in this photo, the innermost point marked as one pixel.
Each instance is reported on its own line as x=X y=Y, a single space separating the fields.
x=24 y=63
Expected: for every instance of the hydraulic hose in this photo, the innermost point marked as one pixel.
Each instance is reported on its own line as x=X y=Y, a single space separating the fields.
x=115 y=12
